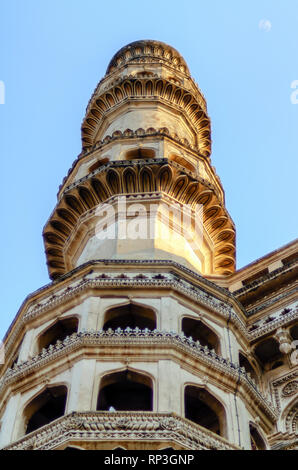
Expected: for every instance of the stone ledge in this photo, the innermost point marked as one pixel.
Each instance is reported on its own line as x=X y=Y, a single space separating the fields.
x=124 y=425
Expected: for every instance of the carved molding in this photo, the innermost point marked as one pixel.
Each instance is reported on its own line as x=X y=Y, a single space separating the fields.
x=104 y=426
x=145 y=337
x=153 y=89
x=152 y=176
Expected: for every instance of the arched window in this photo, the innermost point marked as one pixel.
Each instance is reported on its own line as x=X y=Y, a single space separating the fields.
x=139 y=153
x=268 y=352
x=131 y=316
x=204 y=409
x=200 y=332
x=58 y=331
x=45 y=408
x=98 y=164
x=182 y=161
x=244 y=362
x=257 y=442
x=125 y=391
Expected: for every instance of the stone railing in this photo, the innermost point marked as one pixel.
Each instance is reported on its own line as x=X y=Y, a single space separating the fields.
x=145 y=337
x=81 y=427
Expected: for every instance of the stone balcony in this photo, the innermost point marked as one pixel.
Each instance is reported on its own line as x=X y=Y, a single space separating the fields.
x=95 y=429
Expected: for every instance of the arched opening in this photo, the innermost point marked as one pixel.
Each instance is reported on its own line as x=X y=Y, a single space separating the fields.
x=200 y=332
x=276 y=364
x=45 y=408
x=257 y=442
x=131 y=316
x=244 y=362
x=72 y=448
x=125 y=391
x=182 y=161
x=98 y=164
x=58 y=331
x=139 y=153
x=204 y=409
x=268 y=352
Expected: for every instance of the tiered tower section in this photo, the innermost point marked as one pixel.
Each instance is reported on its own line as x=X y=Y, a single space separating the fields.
x=146 y=136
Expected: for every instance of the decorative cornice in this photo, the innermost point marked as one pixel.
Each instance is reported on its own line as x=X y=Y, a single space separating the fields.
x=275 y=321
x=140 y=177
x=152 y=89
x=132 y=426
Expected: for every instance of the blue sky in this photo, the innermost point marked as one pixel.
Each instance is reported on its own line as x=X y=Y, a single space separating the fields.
x=53 y=53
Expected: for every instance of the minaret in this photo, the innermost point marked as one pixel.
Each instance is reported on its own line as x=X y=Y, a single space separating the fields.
x=133 y=344
x=146 y=137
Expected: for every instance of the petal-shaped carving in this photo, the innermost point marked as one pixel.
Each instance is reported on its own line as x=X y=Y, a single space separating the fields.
x=100 y=189
x=130 y=181
x=74 y=204
x=113 y=180
x=178 y=186
x=67 y=215
x=164 y=178
x=87 y=197
x=138 y=89
x=146 y=179
x=149 y=88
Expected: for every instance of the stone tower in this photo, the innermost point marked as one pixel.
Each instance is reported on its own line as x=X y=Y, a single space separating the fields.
x=145 y=338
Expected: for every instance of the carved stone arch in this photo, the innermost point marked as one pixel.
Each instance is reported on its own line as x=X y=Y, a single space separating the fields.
x=127 y=89
x=164 y=178
x=226 y=249
x=169 y=90
x=87 y=197
x=61 y=227
x=109 y=99
x=211 y=212
x=201 y=331
x=72 y=201
x=100 y=189
x=118 y=93
x=205 y=408
x=289 y=416
x=177 y=96
x=149 y=88
x=186 y=100
x=159 y=87
x=247 y=364
x=44 y=406
x=257 y=440
x=54 y=238
x=145 y=316
x=182 y=161
x=228 y=234
x=218 y=224
x=204 y=197
x=92 y=122
x=138 y=88
x=114 y=181
x=67 y=215
x=135 y=391
x=130 y=180
x=147 y=180
x=98 y=113
x=199 y=117
x=73 y=447
x=101 y=105
x=178 y=186
x=58 y=329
